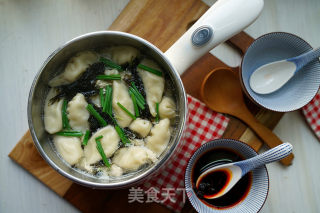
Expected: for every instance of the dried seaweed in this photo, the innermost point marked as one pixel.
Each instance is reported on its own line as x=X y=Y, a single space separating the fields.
x=85 y=84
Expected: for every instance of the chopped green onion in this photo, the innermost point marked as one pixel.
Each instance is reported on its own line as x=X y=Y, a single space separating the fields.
x=149 y=69
x=157 y=111
x=101 y=97
x=121 y=134
x=110 y=63
x=101 y=151
x=114 y=120
x=138 y=93
x=140 y=104
x=70 y=133
x=134 y=101
x=127 y=111
x=99 y=137
x=96 y=115
x=107 y=107
x=65 y=121
x=86 y=138
x=140 y=100
x=109 y=77
x=106 y=102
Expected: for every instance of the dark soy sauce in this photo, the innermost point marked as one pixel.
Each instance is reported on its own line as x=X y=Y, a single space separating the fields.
x=214 y=182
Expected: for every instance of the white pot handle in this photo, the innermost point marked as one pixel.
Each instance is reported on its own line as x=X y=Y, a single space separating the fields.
x=222 y=21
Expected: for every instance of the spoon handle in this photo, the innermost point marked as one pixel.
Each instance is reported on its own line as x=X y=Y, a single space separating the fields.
x=301 y=60
x=267 y=136
x=274 y=154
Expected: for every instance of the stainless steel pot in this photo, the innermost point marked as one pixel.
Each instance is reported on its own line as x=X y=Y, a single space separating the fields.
x=223 y=20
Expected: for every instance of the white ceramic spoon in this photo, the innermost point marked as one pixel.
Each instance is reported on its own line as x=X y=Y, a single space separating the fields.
x=272 y=76
x=237 y=170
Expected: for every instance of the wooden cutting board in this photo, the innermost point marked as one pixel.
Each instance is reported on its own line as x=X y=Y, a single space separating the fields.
x=162 y=25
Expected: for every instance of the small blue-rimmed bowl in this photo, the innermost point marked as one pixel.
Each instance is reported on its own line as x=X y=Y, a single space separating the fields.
x=299 y=90
x=258 y=190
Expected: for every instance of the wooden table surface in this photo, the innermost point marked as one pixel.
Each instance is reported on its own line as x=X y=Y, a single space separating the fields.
x=31 y=30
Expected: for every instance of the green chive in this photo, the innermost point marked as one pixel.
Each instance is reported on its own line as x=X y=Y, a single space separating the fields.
x=121 y=134
x=140 y=104
x=65 y=121
x=149 y=69
x=70 y=133
x=140 y=101
x=106 y=99
x=157 y=111
x=109 y=77
x=127 y=111
x=136 y=89
x=101 y=152
x=107 y=107
x=86 y=138
x=110 y=63
x=134 y=101
x=135 y=94
x=99 y=137
x=114 y=120
x=110 y=102
x=96 y=115
x=101 y=97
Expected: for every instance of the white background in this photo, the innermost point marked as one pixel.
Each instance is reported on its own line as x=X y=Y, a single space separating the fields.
x=30 y=30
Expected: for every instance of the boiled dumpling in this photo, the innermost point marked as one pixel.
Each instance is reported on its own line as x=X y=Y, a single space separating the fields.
x=111 y=72
x=141 y=126
x=167 y=108
x=69 y=148
x=123 y=54
x=84 y=165
x=109 y=142
x=74 y=68
x=120 y=94
x=159 y=137
x=137 y=142
x=96 y=100
x=52 y=113
x=133 y=157
x=153 y=85
x=115 y=171
x=78 y=115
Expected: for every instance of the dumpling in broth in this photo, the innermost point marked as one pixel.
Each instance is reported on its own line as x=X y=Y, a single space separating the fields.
x=159 y=137
x=96 y=100
x=84 y=165
x=133 y=157
x=78 y=115
x=153 y=85
x=52 y=113
x=69 y=148
x=123 y=54
x=121 y=95
x=109 y=142
x=74 y=68
x=167 y=108
x=141 y=126
x=115 y=171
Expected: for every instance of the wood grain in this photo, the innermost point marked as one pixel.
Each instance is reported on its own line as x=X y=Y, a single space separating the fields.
x=157 y=22
x=26 y=155
x=162 y=25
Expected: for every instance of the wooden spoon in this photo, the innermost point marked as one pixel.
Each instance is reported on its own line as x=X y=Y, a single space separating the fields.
x=221 y=91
